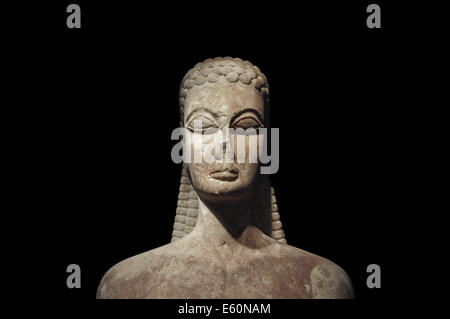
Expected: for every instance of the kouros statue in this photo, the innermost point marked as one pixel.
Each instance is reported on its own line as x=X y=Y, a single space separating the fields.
x=227 y=239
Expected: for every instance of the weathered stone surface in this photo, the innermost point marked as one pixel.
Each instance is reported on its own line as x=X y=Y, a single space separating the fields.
x=190 y=268
x=228 y=239
x=193 y=268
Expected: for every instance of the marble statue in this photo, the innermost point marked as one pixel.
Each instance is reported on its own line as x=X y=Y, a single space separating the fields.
x=227 y=239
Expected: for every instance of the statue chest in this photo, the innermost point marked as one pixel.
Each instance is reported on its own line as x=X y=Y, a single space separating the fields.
x=237 y=277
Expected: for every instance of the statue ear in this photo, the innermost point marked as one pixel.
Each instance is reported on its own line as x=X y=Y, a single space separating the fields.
x=187 y=209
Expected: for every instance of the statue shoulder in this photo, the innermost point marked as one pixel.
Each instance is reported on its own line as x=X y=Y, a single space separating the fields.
x=319 y=277
x=124 y=279
x=329 y=281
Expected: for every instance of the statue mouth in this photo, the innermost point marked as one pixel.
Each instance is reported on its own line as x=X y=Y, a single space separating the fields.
x=227 y=175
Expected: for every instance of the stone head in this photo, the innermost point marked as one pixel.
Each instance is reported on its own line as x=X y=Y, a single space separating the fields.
x=220 y=100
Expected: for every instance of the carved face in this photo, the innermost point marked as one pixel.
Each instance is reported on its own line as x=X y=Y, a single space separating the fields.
x=227 y=163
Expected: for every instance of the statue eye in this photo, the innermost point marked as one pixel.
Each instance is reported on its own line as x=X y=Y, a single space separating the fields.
x=247 y=123
x=202 y=124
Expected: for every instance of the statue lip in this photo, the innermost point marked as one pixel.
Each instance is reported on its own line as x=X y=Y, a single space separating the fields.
x=225 y=174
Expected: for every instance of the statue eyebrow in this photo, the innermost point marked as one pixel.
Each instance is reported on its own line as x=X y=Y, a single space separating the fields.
x=204 y=109
x=258 y=115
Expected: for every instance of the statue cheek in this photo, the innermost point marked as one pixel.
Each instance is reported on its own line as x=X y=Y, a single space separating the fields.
x=198 y=174
x=248 y=173
x=246 y=149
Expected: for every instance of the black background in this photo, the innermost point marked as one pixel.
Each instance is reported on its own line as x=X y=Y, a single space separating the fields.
x=108 y=187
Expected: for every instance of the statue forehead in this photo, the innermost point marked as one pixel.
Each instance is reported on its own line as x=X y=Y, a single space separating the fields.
x=225 y=98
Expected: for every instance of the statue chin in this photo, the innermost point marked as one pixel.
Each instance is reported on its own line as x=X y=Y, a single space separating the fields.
x=223 y=194
x=224 y=186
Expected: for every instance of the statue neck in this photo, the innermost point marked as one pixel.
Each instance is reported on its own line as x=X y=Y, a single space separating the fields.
x=227 y=224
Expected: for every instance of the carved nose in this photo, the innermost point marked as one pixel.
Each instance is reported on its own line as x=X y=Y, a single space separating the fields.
x=227 y=148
